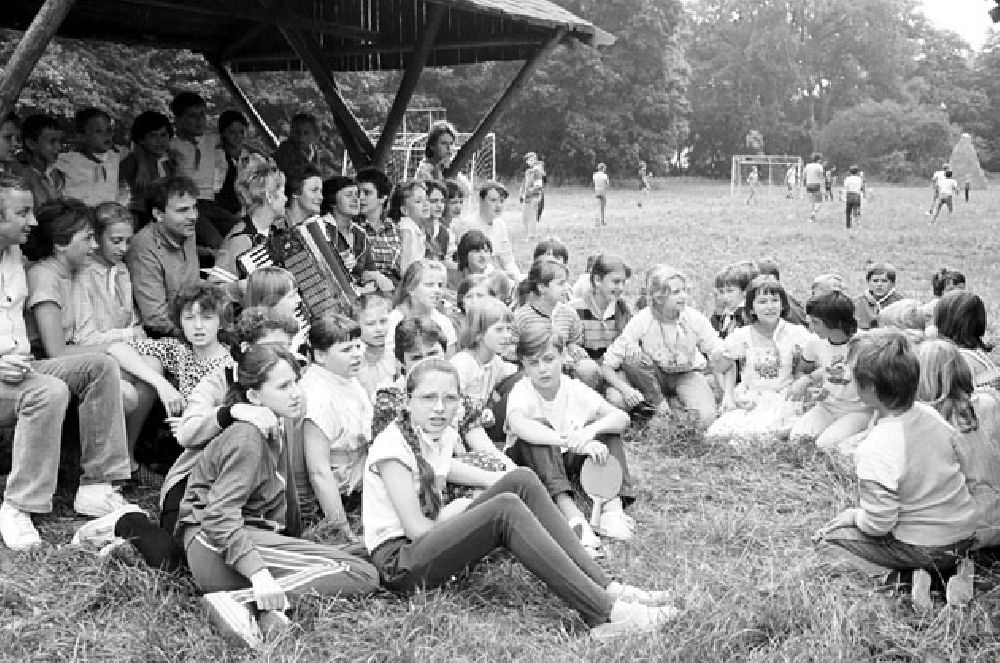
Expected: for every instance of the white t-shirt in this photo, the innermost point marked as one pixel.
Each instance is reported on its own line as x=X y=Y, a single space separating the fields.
x=937 y=177
x=575 y=406
x=378 y=516
x=853 y=184
x=93 y=182
x=813 y=173
x=837 y=379
x=477 y=381
x=395 y=317
x=600 y=182
x=947 y=187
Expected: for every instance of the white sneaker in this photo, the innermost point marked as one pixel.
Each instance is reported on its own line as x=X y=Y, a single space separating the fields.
x=98 y=499
x=16 y=529
x=630 y=594
x=234 y=620
x=614 y=525
x=632 y=619
x=100 y=532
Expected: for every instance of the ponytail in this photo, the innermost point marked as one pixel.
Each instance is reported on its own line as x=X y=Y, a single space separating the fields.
x=430 y=498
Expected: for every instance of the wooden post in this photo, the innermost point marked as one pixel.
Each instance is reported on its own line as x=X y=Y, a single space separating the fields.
x=359 y=145
x=28 y=51
x=503 y=103
x=226 y=76
x=414 y=66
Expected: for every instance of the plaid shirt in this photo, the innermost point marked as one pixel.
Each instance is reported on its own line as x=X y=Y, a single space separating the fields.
x=385 y=245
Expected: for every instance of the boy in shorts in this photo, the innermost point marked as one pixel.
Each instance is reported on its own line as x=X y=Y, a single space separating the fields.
x=814 y=177
x=947 y=190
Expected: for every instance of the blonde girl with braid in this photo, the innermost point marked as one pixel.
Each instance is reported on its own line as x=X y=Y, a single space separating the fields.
x=416 y=542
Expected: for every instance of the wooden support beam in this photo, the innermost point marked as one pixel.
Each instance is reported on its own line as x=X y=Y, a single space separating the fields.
x=356 y=141
x=279 y=17
x=29 y=50
x=439 y=47
x=242 y=42
x=414 y=66
x=222 y=71
x=503 y=103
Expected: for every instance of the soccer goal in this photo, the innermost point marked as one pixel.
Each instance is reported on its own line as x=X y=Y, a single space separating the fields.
x=772 y=169
x=408 y=148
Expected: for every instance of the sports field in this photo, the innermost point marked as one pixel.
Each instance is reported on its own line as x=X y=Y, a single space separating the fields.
x=728 y=531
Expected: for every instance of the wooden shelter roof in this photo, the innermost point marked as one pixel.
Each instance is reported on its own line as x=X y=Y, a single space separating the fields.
x=354 y=35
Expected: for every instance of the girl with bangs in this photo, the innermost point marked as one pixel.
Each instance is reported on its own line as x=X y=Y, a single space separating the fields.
x=419 y=295
x=759 y=408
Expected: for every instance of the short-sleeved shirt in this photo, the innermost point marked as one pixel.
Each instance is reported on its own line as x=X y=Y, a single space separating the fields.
x=180 y=362
x=575 y=405
x=768 y=361
x=813 y=174
x=341 y=410
x=13 y=295
x=160 y=266
x=600 y=183
x=563 y=321
x=948 y=187
x=676 y=347
x=90 y=178
x=838 y=382
x=600 y=328
x=379 y=517
x=477 y=381
x=48 y=281
x=853 y=184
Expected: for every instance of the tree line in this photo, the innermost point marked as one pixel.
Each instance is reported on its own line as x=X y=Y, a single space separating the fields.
x=870 y=81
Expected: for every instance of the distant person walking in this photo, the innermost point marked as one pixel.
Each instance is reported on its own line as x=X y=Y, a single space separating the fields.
x=947 y=189
x=601 y=191
x=753 y=180
x=645 y=180
x=829 y=177
x=814 y=178
x=936 y=186
x=967 y=185
x=853 y=184
x=531 y=193
x=790 y=178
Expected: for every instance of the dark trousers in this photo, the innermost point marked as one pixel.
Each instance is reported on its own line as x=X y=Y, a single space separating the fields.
x=156 y=543
x=560 y=472
x=853 y=206
x=213 y=224
x=891 y=553
x=516 y=513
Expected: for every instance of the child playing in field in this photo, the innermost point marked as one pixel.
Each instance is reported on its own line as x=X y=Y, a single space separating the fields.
x=946 y=385
x=758 y=408
x=852 y=194
x=239 y=518
x=604 y=314
x=961 y=317
x=947 y=190
x=298 y=151
x=753 y=180
x=731 y=284
x=838 y=412
x=415 y=542
x=665 y=347
x=914 y=510
x=418 y=295
x=554 y=423
x=91 y=173
x=881 y=280
x=338 y=419
x=373 y=319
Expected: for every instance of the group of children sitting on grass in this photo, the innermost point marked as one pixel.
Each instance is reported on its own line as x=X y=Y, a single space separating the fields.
x=452 y=414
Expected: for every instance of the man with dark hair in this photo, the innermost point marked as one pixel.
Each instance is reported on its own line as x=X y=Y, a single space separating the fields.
x=34 y=395
x=163 y=257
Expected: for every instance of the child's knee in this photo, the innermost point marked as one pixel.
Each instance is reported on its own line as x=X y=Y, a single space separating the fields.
x=588 y=372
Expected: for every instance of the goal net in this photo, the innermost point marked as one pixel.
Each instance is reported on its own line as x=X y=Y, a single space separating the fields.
x=408 y=150
x=772 y=172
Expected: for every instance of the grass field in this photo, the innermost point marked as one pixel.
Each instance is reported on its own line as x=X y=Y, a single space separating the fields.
x=728 y=531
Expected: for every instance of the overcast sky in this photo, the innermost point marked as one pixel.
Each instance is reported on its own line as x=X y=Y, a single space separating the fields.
x=968 y=18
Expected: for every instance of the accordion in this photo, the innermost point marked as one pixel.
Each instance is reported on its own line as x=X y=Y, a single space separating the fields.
x=323 y=281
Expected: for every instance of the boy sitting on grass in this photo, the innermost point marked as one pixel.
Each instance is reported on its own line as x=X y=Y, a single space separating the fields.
x=881 y=280
x=914 y=513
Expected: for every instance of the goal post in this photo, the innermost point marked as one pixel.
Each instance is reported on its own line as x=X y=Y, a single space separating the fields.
x=771 y=171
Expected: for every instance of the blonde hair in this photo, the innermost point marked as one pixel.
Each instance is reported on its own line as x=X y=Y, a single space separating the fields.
x=267 y=286
x=258 y=177
x=482 y=315
x=658 y=276
x=414 y=274
x=946 y=383
x=906 y=314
